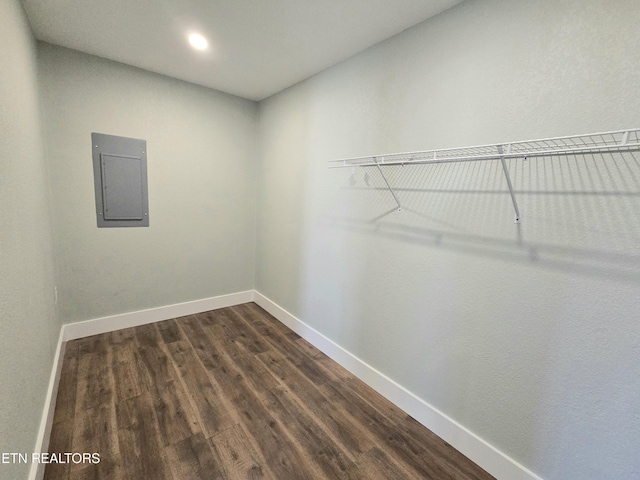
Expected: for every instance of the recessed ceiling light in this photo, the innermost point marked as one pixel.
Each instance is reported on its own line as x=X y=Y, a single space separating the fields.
x=198 y=42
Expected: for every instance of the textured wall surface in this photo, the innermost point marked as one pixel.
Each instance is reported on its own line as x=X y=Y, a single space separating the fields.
x=201 y=146
x=27 y=310
x=528 y=336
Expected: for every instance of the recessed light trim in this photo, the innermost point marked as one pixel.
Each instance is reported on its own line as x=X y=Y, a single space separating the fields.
x=198 y=42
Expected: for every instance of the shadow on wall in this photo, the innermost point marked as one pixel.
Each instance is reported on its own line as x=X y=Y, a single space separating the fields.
x=580 y=213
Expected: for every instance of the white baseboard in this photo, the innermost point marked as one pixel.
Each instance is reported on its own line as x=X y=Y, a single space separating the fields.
x=472 y=446
x=72 y=331
x=143 y=317
x=36 y=471
x=488 y=457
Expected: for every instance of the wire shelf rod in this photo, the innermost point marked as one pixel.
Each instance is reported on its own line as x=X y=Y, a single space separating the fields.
x=618 y=141
x=481 y=158
x=390 y=189
x=607 y=142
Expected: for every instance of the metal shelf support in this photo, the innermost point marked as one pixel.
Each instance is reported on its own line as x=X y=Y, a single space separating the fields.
x=389 y=186
x=508 y=177
x=619 y=141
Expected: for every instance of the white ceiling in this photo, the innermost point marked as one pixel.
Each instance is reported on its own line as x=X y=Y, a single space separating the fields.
x=258 y=47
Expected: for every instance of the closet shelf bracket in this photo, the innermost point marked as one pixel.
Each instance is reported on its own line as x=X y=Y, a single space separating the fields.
x=508 y=178
x=620 y=142
x=395 y=197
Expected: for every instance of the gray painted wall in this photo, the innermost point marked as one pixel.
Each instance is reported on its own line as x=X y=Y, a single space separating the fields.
x=27 y=311
x=201 y=148
x=527 y=336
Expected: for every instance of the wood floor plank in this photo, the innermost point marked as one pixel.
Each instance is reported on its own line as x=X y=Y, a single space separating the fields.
x=141 y=451
x=170 y=331
x=337 y=422
x=386 y=433
x=267 y=434
x=96 y=431
x=283 y=457
x=337 y=370
x=284 y=371
x=239 y=457
x=377 y=465
x=242 y=333
x=121 y=337
x=148 y=336
x=319 y=447
x=94 y=427
x=261 y=320
x=223 y=358
x=89 y=472
x=446 y=454
x=177 y=419
x=207 y=398
x=94 y=377
x=450 y=457
x=420 y=457
x=60 y=441
x=206 y=348
x=251 y=367
x=127 y=385
x=127 y=381
x=152 y=359
x=284 y=343
x=195 y=458
x=232 y=394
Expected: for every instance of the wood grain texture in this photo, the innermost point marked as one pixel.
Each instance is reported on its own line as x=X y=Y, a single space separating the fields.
x=240 y=459
x=232 y=394
x=195 y=458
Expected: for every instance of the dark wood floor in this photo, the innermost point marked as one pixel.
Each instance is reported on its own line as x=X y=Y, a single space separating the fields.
x=231 y=394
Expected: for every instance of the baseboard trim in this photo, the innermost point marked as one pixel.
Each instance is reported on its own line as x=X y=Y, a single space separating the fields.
x=484 y=454
x=471 y=445
x=96 y=326
x=72 y=331
x=36 y=472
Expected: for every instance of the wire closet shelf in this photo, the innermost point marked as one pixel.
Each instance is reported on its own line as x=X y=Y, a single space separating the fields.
x=605 y=142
